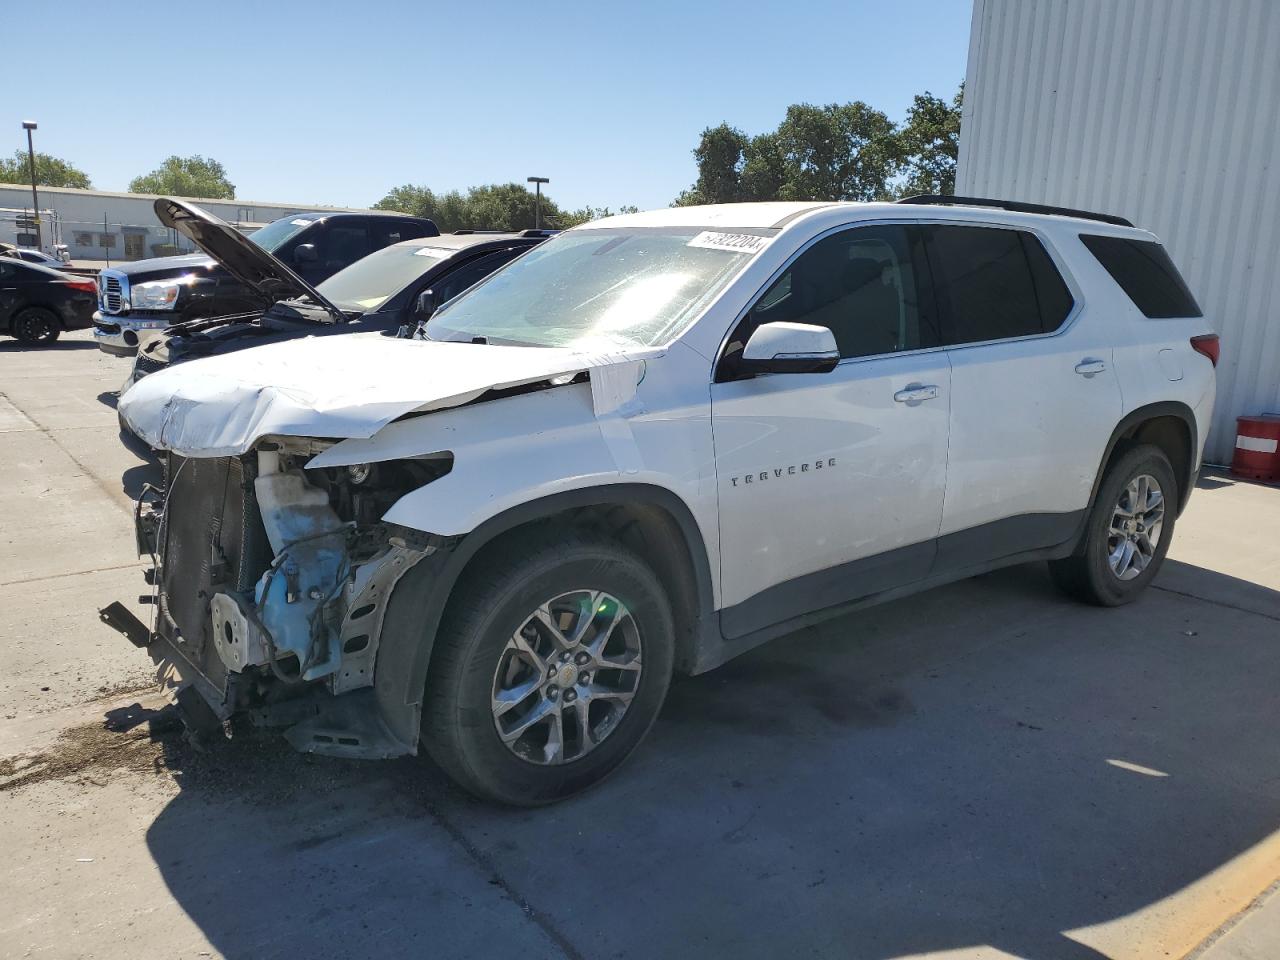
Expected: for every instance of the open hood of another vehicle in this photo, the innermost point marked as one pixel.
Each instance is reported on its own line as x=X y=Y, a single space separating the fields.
x=243 y=258
x=332 y=387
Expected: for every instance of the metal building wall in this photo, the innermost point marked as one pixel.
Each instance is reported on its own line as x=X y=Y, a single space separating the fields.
x=1166 y=112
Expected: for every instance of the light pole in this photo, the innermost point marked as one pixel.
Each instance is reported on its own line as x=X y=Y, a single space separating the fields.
x=537 y=199
x=29 y=125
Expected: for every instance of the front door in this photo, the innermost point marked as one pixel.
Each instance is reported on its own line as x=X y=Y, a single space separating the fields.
x=831 y=484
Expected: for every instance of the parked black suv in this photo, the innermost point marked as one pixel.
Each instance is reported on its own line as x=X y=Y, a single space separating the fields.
x=383 y=292
x=154 y=294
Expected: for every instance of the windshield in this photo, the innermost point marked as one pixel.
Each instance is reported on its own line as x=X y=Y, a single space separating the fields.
x=276 y=233
x=369 y=283
x=599 y=288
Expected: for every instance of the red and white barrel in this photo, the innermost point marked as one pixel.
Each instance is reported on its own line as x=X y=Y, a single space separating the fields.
x=1257 y=453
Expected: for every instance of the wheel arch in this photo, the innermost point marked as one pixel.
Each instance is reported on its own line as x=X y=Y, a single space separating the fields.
x=1169 y=425
x=651 y=520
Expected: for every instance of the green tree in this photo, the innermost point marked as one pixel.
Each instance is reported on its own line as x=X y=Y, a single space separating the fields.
x=407 y=199
x=719 y=155
x=193 y=176
x=588 y=213
x=50 y=171
x=494 y=206
x=930 y=143
x=835 y=152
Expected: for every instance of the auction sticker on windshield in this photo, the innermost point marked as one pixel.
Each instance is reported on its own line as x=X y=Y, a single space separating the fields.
x=733 y=242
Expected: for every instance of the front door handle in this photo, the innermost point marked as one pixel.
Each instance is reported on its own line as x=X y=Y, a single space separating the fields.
x=915 y=392
x=1090 y=365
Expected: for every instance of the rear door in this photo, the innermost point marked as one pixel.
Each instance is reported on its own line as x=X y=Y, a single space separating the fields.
x=1034 y=394
x=831 y=484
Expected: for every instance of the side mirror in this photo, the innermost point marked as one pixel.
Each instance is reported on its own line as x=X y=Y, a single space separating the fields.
x=425 y=305
x=305 y=253
x=790 y=348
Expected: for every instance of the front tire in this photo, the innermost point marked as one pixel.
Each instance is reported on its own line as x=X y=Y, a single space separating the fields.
x=550 y=666
x=35 y=327
x=1127 y=533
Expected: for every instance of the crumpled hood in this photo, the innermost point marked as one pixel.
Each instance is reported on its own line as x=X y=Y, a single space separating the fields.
x=339 y=387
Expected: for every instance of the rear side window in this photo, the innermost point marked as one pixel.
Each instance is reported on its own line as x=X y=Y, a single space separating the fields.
x=995 y=284
x=386 y=231
x=1145 y=272
x=342 y=244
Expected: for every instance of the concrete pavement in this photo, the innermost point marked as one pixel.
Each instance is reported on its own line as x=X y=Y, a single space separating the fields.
x=986 y=770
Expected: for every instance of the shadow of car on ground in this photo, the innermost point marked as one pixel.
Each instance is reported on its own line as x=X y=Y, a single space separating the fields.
x=9 y=345
x=986 y=763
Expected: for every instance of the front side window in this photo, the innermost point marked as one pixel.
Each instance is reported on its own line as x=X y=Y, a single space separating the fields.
x=994 y=284
x=469 y=274
x=861 y=284
x=600 y=288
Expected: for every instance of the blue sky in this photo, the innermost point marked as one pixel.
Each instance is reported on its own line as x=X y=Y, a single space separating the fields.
x=337 y=103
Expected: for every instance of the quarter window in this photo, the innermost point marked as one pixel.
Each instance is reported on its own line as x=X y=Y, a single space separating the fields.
x=861 y=284
x=1145 y=272
x=995 y=284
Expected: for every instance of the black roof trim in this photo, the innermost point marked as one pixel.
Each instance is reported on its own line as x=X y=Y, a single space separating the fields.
x=1015 y=206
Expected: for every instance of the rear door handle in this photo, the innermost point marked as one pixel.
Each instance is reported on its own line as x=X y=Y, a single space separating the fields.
x=915 y=392
x=1090 y=365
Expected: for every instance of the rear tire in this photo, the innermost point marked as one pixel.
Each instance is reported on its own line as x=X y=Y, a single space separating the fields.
x=1127 y=533
x=36 y=326
x=550 y=667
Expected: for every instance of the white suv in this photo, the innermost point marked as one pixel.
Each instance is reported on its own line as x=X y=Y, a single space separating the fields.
x=648 y=445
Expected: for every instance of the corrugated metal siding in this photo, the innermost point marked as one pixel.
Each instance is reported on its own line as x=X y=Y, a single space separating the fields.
x=1166 y=112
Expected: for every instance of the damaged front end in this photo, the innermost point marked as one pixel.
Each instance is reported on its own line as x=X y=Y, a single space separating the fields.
x=271 y=582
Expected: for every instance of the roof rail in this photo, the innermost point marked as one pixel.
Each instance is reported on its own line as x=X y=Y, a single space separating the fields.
x=1016 y=206
x=469 y=230
x=540 y=232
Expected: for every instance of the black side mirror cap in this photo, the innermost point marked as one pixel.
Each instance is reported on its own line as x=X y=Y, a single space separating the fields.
x=425 y=305
x=815 y=364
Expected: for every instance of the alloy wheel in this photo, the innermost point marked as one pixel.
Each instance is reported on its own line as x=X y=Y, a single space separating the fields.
x=1136 y=522
x=566 y=677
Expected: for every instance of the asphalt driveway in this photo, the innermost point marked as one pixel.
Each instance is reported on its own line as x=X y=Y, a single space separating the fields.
x=985 y=770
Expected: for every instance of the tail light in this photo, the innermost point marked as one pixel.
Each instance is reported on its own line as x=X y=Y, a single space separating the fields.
x=87 y=286
x=1207 y=345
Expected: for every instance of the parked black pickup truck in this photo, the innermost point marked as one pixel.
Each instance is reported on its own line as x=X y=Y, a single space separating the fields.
x=154 y=294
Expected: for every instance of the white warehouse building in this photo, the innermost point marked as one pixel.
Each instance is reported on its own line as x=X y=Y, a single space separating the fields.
x=1166 y=112
x=97 y=225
